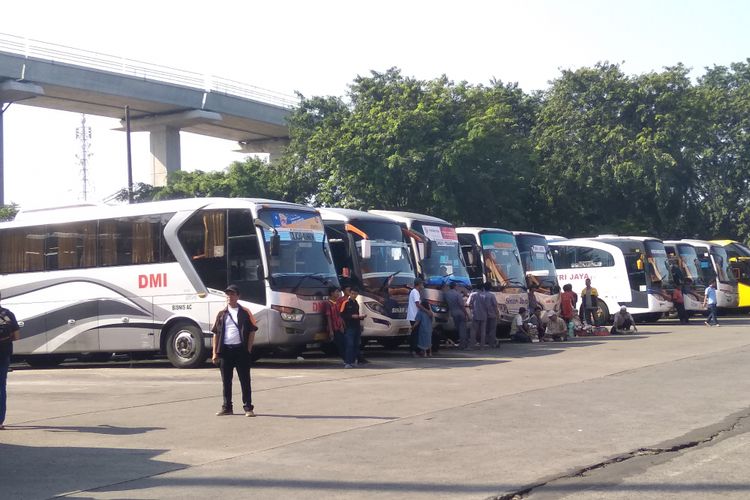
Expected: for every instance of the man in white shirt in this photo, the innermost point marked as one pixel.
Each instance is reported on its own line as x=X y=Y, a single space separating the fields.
x=234 y=335
x=519 y=329
x=415 y=304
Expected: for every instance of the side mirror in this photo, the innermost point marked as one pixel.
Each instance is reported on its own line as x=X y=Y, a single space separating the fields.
x=275 y=245
x=427 y=250
x=366 y=249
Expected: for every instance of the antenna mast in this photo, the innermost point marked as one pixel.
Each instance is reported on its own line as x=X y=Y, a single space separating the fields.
x=83 y=134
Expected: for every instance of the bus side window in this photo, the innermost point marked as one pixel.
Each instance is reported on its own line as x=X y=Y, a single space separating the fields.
x=203 y=237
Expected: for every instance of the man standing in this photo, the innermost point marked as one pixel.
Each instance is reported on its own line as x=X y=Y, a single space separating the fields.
x=9 y=333
x=457 y=310
x=234 y=335
x=709 y=301
x=353 y=328
x=491 y=305
x=568 y=301
x=478 y=306
x=589 y=304
x=415 y=304
x=335 y=324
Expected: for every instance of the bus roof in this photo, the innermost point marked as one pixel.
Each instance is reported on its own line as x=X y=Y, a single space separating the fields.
x=407 y=217
x=699 y=243
x=477 y=230
x=73 y=213
x=527 y=233
x=725 y=242
x=346 y=214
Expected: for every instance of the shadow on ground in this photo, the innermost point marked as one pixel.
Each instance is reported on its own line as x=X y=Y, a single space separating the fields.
x=44 y=472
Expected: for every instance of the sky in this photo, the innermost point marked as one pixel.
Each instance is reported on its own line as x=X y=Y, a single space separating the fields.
x=318 y=48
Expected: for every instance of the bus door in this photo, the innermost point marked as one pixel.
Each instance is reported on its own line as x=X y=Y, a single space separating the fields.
x=246 y=271
x=470 y=250
x=636 y=269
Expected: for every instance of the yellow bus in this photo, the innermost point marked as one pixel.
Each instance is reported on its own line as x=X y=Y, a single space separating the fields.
x=739 y=260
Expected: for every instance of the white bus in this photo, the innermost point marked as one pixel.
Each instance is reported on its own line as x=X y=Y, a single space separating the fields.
x=372 y=253
x=693 y=287
x=492 y=257
x=437 y=258
x=150 y=277
x=626 y=271
x=715 y=266
x=541 y=275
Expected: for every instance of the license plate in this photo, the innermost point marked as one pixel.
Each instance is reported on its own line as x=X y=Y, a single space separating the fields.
x=321 y=336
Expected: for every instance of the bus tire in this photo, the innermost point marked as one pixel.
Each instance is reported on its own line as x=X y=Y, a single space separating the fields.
x=45 y=360
x=602 y=313
x=185 y=348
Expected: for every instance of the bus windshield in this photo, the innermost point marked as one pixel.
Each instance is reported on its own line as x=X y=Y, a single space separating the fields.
x=502 y=262
x=537 y=259
x=689 y=263
x=658 y=266
x=445 y=261
x=721 y=263
x=304 y=259
x=389 y=262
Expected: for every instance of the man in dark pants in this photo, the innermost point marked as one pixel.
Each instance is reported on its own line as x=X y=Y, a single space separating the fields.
x=234 y=335
x=9 y=332
x=353 y=328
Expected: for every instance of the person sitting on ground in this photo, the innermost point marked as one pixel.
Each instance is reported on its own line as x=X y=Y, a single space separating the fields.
x=537 y=323
x=557 y=329
x=623 y=320
x=519 y=329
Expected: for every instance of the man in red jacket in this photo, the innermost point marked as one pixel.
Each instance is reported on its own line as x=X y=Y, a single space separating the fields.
x=234 y=335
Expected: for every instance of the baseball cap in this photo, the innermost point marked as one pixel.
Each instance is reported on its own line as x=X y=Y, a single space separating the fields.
x=233 y=289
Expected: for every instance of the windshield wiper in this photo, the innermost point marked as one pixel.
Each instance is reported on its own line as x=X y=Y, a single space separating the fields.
x=305 y=276
x=387 y=279
x=512 y=282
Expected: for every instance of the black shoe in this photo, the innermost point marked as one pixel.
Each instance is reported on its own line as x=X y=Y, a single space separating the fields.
x=224 y=411
x=362 y=361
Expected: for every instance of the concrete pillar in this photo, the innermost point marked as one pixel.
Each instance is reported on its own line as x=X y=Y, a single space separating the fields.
x=165 y=138
x=165 y=153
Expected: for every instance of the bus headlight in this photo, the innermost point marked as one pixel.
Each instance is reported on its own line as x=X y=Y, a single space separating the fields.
x=439 y=307
x=289 y=313
x=376 y=307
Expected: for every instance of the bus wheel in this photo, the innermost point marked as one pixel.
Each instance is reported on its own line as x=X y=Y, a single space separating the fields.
x=602 y=313
x=45 y=360
x=185 y=347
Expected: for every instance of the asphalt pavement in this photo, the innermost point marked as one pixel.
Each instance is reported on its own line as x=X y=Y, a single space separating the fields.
x=663 y=413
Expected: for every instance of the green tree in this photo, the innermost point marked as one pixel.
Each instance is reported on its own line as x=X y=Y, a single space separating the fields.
x=451 y=150
x=8 y=212
x=616 y=152
x=723 y=163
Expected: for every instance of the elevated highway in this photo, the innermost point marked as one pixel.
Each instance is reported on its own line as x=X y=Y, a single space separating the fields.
x=162 y=101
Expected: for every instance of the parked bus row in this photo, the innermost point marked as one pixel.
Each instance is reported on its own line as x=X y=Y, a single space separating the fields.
x=148 y=278
x=642 y=273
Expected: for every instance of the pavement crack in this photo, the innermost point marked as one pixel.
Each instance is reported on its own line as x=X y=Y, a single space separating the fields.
x=705 y=436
